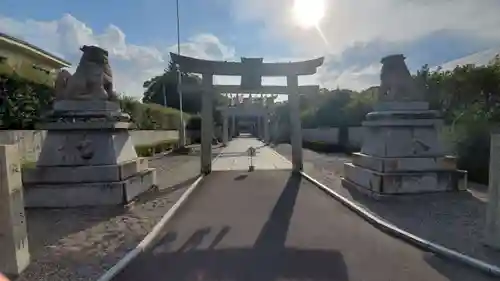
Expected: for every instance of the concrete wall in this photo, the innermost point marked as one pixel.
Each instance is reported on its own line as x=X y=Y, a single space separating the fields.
x=356 y=134
x=30 y=142
x=324 y=135
x=331 y=135
x=147 y=137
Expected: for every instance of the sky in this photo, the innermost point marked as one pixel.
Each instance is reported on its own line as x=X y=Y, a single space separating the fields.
x=353 y=35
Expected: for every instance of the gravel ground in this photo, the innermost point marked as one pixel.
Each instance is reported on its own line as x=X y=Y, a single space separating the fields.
x=81 y=244
x=454 y=220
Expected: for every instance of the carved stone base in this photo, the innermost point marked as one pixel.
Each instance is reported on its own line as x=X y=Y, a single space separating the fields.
x=64 y=195
x=87 y=164
x=399 y=134
x=86 y=147
x=402 y=154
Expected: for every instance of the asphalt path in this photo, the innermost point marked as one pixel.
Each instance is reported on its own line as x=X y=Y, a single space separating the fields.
x=269 y=225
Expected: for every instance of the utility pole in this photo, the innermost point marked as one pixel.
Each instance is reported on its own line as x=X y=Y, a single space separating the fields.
x=182 y=131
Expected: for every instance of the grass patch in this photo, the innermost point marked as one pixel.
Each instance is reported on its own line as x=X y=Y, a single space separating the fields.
x=152 y=149
x=28 y=165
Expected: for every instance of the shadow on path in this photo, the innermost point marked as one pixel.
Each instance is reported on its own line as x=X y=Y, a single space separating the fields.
x=269 y=259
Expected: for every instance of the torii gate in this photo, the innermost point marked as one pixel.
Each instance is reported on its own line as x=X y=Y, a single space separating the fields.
x=251 y=71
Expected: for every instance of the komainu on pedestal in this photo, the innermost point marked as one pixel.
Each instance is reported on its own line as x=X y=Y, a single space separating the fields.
x=88 y=157
x=401 y=152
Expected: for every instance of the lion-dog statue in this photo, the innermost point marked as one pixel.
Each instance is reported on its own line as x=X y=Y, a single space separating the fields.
x=396 y=82
x=92 y=80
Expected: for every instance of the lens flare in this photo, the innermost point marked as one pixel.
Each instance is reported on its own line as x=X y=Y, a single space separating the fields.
x=308 y=13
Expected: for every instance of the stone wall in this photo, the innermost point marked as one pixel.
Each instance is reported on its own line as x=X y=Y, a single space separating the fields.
x=30 y=141
x=324 y=135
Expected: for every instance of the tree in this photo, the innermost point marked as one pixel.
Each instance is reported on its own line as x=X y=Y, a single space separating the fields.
x=164 y=87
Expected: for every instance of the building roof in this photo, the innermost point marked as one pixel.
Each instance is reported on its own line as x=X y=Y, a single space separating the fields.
x=33 y=48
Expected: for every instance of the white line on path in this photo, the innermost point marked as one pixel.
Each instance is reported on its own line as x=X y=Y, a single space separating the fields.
x=402 y=234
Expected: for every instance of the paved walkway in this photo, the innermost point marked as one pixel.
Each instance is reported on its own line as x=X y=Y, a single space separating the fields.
x=235 y=157
x=270 y=225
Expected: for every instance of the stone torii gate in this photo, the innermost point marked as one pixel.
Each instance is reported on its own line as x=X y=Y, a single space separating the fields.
x=251 y=71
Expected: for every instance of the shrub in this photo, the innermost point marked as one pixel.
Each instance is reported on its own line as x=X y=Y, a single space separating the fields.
x=470 y=139
x=22 y=103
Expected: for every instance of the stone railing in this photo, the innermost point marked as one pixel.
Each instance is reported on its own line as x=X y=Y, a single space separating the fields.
x=30 y=141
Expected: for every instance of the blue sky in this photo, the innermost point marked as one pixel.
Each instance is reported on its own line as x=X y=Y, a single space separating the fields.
x=358 y=33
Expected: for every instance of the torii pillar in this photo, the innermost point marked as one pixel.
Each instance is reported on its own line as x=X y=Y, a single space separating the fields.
x=207 y=123
x=295 y=124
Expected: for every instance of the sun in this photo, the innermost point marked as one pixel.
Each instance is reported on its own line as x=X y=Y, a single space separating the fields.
x=308 y=13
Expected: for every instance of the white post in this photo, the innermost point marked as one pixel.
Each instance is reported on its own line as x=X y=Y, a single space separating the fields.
x=266 y=130
x=225 y=127
x=207 y=124
x=233 y=126
x=14 y=253
x=296 y=128
x=492 y=229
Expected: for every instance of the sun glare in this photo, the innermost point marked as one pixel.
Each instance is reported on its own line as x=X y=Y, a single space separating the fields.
x=308 y=13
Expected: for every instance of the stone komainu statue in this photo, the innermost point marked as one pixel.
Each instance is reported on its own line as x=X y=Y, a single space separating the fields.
x=92 y=80
x=396 y=82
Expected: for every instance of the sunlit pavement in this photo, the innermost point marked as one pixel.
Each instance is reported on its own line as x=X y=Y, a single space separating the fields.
x=269 y=225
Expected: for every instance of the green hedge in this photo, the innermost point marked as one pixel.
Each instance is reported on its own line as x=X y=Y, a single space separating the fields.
x=22 y=103
x=150 y=116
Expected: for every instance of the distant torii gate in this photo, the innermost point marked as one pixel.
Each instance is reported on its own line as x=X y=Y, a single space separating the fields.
x=251 y=71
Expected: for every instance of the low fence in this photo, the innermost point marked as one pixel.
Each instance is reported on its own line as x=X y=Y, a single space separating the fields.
x=30 y=141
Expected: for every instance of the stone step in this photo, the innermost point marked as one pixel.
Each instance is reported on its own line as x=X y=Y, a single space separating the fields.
x=83 y=174
x=408 y=164
x=401 y=182
x=89 y=194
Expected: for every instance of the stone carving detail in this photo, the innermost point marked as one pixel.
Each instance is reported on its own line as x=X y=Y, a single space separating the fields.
x=92 y=80
x=86 y=149
x=396 y=82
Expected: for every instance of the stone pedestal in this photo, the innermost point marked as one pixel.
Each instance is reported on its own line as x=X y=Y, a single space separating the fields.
x=14 y=253
x=492 y=228
x=88 y=158
x=401 y=153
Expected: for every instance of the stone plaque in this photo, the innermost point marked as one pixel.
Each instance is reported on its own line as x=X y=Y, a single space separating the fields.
x=252 y=77
x=14 y=254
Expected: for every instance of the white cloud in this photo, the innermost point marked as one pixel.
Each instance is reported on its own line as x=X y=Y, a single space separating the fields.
x=356 y=21
x=351 y=23
x=480 y=58
x=131 y=64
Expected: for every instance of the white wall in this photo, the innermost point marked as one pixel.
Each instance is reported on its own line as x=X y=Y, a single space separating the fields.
x=30 y=141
